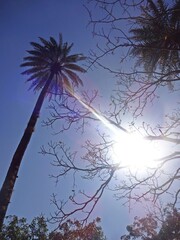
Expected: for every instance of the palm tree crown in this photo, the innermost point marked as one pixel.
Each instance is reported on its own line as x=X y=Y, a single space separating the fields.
x=157 y=37
x=52 y=57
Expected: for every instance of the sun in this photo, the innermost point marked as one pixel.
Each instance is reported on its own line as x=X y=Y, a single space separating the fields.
x=134 y=152
x=129 y=150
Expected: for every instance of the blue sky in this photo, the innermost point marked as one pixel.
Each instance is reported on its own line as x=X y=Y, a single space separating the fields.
x=20 y=23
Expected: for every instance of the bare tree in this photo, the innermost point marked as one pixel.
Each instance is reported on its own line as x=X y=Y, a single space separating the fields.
x=126 y=47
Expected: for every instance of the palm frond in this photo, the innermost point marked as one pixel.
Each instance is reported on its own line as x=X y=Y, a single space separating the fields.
x=36 y=76
x=66 y=83
x=75 y=58
x=60 y=40
x=38 y=60
x=53 y=41
x=45 y=42
x=74 y=67
x=35 y=53
x=74 y=77
x=51 y=57
x=37 y=46
x=33 y=70
x=156 y=37
x=153 y=8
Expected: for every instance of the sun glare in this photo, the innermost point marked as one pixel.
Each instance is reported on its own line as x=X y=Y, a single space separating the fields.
x=129 y=150
x=134 y=152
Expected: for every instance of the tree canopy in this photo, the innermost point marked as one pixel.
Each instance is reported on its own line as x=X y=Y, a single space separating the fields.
x=155 y=227
x=19 y=229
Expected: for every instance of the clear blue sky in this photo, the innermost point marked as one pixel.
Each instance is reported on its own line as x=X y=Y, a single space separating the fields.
x=20 y=23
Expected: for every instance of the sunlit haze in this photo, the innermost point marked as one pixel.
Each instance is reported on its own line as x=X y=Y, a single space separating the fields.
x=133 y=151
x=130 y=150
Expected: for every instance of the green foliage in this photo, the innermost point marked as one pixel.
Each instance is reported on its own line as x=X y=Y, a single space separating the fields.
x=74 y=230
x=18 y=229
x=38 y=228
x=53 y=57
x=151 y=227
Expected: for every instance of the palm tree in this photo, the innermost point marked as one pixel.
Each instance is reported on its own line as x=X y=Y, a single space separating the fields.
x=52 y=70
x=157 y=37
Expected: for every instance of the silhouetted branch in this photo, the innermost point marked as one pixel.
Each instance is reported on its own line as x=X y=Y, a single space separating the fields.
x=136 y=90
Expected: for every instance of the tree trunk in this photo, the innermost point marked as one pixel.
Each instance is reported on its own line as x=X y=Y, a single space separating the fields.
x=9 y=182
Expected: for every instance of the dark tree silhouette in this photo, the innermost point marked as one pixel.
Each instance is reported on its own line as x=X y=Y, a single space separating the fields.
x=19 y=229
x=52 y=70
x=164 y=226
x=157 y=37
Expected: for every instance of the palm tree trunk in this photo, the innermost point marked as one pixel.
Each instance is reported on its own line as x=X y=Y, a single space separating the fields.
x=12 y=174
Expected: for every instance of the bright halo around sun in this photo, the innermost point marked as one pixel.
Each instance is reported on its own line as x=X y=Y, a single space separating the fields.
x=135 y=153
